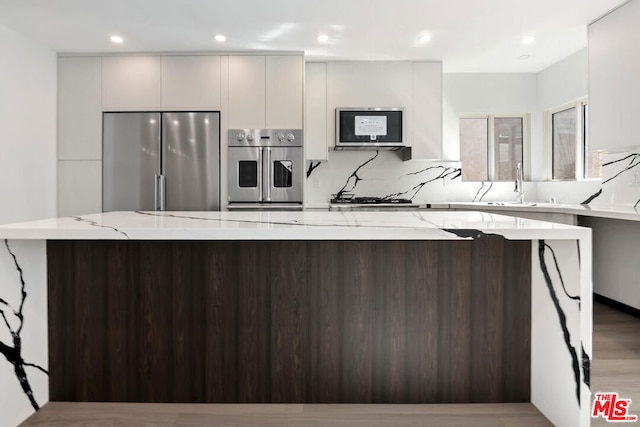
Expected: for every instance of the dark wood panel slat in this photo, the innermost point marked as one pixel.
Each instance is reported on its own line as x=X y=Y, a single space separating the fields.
x=290 y=321
x=122 y=333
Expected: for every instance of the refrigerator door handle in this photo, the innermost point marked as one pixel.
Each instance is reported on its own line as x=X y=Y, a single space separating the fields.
x=267 y=174
x=160 y=193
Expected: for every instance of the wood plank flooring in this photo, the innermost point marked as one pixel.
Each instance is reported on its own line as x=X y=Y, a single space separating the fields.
x=284 y=415
x=616 y=367
x=616 y=356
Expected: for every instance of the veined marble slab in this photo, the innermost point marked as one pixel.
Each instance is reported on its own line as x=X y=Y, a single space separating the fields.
x=305 y=225
x=629 y=213
x=561 y=315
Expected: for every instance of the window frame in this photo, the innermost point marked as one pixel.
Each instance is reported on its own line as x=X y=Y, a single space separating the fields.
x=581 y=155
x=491 y=141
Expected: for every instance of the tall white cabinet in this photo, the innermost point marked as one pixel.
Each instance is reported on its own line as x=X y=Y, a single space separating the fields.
x=315 y=111
x=614 y=86
x=79 y=135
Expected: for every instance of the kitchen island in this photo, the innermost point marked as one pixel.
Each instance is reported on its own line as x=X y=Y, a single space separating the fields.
x=298 y=307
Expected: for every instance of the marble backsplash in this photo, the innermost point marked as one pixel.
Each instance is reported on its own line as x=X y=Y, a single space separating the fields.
x=384 y=174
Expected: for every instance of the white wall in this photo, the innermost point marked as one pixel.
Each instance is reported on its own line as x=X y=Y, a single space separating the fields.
x=28 y=129
x=484 y=93
x=559 y=84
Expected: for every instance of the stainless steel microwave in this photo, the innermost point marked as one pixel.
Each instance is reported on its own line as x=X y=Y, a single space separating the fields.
x=370 y=128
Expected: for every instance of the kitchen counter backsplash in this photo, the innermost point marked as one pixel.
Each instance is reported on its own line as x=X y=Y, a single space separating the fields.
x=620 y=184
x=384 y=174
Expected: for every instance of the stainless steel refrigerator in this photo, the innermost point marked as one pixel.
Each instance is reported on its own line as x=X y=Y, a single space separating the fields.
x=161 y=161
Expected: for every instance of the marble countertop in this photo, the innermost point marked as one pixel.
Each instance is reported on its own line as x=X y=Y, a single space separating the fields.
x=612 y=212
x=280 y=225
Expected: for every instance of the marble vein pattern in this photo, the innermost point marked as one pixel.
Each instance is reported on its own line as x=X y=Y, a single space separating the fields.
x=615 y=181
x=312 y=166
x=543 y=247
x=473 y=234
x=97 y=224
x=354 y=178
x=479 y=199
x=13 y=319
x=442 y=173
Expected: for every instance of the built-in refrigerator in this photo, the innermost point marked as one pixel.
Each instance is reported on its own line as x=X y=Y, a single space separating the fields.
x=161 y=161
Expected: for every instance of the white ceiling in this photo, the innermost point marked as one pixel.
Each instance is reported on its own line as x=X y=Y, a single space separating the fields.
x=467 y=35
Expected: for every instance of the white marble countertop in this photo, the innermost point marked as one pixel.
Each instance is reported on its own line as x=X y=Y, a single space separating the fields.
x=279 y=225
x=612 y=212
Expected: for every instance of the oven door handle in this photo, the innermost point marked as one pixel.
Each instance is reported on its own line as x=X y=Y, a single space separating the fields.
x=261 y=175
x=266 y=180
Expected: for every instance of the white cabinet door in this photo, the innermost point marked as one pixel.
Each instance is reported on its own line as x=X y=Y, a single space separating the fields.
x=614 y=87
x=79 y=187
x=191 y=83
x=284 y=88
x=79 y=108
x=247 y=92
x=131 y=83
x=427 y=110
x=315 y=111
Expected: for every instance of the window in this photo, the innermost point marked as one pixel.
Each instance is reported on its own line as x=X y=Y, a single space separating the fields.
x=491 y=146
x=570 y=155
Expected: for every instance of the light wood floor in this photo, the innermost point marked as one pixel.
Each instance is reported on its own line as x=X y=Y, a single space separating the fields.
x=616 y=367
x=616 y=356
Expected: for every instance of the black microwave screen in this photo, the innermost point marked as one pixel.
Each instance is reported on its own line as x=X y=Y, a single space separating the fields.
x=370 y=126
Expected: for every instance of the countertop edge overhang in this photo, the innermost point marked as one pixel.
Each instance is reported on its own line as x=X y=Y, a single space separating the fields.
x=305 y=225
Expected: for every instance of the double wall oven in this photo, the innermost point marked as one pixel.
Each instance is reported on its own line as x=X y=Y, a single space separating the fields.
x=265 y=169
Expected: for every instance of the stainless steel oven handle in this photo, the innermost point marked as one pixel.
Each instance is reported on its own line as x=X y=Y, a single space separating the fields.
x=268 y=178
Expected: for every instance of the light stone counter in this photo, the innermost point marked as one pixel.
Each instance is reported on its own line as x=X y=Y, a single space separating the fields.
x=561 y=307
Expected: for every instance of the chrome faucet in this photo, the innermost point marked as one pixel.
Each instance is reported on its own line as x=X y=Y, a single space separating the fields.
x=519 y=183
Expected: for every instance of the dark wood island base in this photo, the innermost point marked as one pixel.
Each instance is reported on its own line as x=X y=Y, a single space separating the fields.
x=290 y=321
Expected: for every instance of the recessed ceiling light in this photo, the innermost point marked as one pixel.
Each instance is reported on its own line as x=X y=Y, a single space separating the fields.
x=523 y=57
x=426 y=38
x=528 y=39
x=323 y=38
x=220 y=38
x=116 y=39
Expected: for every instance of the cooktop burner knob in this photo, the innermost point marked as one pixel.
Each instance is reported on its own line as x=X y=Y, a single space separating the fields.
x=280 y=137
x=291 y=137
x=249 y=137
x=240 y=136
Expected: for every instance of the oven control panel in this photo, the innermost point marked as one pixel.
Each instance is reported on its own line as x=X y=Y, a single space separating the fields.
x=265 y=137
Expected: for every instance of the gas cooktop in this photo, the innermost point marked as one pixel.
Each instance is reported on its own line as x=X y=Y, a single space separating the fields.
x=369 y=200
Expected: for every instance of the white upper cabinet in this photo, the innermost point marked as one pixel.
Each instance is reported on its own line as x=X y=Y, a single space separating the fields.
x=427 y=111
x=79 y=108
x=284 y=90
x=315 y=111
x=247 y=92
x=131 y=83
x=614 y=86
x=191 y=82
x=266 y=92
